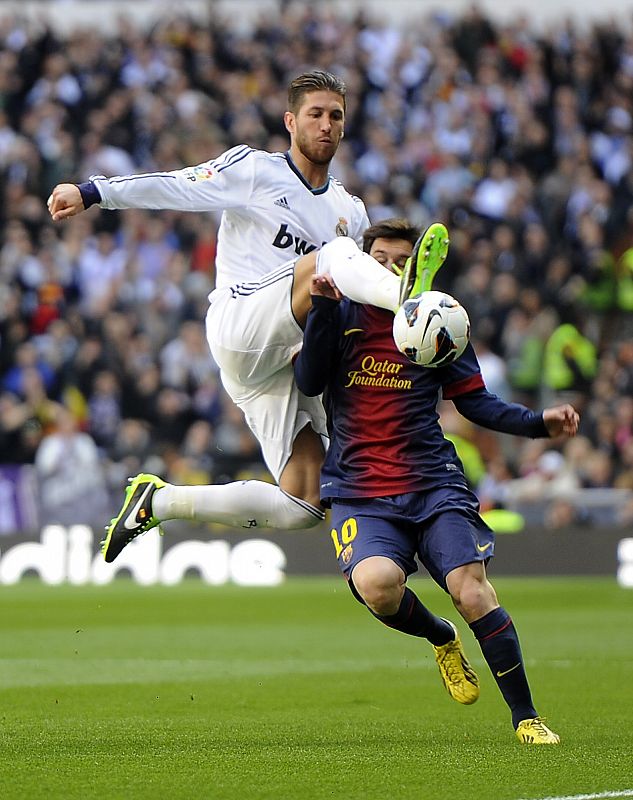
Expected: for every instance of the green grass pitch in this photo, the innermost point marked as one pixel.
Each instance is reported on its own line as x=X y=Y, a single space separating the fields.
x=296 y=692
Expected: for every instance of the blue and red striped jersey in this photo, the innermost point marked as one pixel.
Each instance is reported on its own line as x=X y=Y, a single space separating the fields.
x=385 y=436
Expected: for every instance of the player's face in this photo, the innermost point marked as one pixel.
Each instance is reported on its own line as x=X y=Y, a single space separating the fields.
x=317 y=127
x=391 y=251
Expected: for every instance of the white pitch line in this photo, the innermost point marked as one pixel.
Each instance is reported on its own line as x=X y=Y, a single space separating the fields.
x=598 y=796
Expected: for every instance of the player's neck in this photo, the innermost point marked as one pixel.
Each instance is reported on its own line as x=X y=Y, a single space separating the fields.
x=314 y=174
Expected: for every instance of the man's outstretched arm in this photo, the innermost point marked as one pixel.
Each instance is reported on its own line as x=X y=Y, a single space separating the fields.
x=490 y=411
x=226 y=182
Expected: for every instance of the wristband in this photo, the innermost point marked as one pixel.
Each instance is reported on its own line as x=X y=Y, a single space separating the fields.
x=89 y=193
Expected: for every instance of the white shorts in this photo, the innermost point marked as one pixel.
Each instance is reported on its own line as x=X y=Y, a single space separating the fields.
x=253 y=336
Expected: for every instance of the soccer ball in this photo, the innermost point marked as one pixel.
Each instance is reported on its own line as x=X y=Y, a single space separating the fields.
x=431 y=330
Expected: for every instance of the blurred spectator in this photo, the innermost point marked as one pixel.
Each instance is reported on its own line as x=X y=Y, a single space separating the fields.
x=494 y=193
x=26 y=361
x=129 y=451
x=20 y=430
x=598 y=473
x=235 y=446
x=569 y=361
x=196 y=465
x=100 y=272
x=552 y=478
x=104 y=408
x=562 y=513
x=70 y=473
x=173 y=416
x=493 y=369
x=186 y=362
x=491 y=488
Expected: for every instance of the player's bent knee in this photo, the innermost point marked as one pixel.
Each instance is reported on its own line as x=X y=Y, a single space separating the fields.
x=473 y=597
x=333 y=252
x=380 y=582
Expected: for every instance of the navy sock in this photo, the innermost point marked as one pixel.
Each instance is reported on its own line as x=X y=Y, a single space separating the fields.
x=500 y=646
x=415 y=619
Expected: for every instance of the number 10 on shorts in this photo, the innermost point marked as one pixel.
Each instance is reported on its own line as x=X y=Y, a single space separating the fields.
x=341 y=541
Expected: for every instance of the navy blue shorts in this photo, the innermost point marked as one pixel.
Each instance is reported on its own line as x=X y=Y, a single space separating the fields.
x=441 y=526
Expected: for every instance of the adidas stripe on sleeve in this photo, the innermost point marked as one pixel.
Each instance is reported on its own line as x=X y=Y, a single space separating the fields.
x=226 y=182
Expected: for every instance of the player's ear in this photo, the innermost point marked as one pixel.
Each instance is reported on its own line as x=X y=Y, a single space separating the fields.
x=342 y=134
x=290 y=123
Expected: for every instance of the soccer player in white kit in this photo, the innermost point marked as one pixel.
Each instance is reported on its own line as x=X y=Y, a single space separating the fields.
x=278 y=210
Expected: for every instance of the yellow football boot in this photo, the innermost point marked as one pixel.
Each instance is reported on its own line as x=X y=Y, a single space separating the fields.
x=429 y=253
x=535 y=731
x=459 y=678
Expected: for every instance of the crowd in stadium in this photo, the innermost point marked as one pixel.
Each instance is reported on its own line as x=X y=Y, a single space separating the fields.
x=521 y=141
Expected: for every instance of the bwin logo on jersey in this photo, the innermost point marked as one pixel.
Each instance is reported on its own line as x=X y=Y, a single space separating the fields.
x=283 y=240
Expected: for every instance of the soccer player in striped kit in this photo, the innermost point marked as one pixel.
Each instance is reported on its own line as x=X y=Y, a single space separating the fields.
x=397 y=488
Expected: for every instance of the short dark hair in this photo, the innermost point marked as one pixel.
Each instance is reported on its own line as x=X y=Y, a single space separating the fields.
x=314 y=81
x=395 y=228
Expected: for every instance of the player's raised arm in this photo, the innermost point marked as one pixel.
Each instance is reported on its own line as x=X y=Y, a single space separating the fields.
x=226 y=182
x=466 y=388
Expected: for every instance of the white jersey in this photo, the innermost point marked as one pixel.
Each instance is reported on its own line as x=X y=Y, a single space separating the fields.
x=270 y=214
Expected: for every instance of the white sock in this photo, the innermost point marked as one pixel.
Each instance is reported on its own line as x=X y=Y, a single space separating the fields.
x=359 y=276
x=243 y=504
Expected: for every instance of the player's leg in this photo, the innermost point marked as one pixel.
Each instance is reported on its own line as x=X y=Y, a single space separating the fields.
x=381 y=583
x=301 y=299
x=357 y=275
x=476 y=600
x=291 y=505
x=376 y=553
x=456 y=546
x=253 y=336
x=291 y=430
x=342 y=257
x=300 y=478
x=363 y=279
